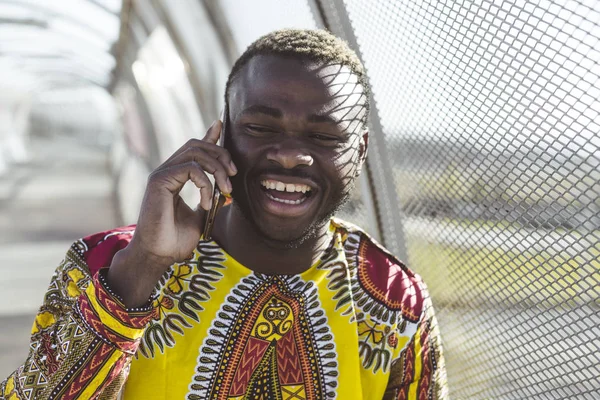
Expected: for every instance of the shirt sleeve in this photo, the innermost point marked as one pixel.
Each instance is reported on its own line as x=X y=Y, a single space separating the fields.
x=82 y=339
x=420 y=372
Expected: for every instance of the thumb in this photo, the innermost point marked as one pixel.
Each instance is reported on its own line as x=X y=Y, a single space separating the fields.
x=213 y=133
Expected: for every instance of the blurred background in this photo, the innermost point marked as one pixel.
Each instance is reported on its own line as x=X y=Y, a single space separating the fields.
x=483 y=172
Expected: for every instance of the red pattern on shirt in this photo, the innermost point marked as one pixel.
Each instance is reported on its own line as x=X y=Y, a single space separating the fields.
x=389 y=281
x=102 y=247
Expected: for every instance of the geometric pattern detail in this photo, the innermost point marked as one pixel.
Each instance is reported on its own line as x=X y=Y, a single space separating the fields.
x=109 y=334
x=93 y=320
x=183 y=289
x=293 y=392
x=270 y=340
x=41 y=380
x=380 y=294
x=27 y=393
x=61 y=341
x=388 y=281
x=271 y=337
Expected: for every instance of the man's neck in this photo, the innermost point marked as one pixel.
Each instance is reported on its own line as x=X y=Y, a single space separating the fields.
x=239 y=238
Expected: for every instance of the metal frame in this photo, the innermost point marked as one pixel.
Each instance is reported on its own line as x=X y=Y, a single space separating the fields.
x=201 y=101
x=217 y=16
x=47 y=11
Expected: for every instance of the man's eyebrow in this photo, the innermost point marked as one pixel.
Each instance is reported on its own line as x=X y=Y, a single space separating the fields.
x=261 y=109
x=323 y=118
x=277 y=113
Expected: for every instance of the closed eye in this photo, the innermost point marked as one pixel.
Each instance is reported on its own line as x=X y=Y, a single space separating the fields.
x=326 y=138
x=260 y=130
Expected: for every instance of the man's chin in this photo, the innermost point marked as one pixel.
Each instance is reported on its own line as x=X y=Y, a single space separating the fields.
x=286 y=234
x=286 y=238
x=280 y=233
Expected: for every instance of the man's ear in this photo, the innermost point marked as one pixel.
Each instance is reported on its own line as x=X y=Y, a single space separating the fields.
x=364 y=146
x=362 y=151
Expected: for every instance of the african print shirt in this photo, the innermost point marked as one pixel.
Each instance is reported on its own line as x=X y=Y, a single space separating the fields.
x=357 y=325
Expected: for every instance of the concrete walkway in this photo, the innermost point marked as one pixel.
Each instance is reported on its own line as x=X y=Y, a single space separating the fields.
x=64 y=192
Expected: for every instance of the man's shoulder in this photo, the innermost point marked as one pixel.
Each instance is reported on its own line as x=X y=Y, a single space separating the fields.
x=381 y=274
x=97 y=250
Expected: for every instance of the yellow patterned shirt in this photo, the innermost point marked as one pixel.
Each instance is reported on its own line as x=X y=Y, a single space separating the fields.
x=357 y=325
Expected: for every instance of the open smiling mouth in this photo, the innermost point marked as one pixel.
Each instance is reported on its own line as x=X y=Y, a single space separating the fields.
x=287 y=193
x=286 y=199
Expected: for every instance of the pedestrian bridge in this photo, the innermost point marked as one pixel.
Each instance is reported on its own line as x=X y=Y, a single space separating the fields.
x=483 y=172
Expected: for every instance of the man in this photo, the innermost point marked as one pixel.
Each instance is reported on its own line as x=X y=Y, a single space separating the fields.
x=285 y=302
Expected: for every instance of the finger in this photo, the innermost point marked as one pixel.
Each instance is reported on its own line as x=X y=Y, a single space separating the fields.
x=199 y=178
x=208 y=163
x=194 y=146
x=218 y=153
x=224 y=157
x=216 y=169
x=213 y=133
x=175 y=177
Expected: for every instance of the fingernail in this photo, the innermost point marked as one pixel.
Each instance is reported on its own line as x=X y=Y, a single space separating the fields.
x=233 y=167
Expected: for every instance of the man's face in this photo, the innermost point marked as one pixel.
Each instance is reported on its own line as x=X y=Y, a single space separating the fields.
x=295 y=133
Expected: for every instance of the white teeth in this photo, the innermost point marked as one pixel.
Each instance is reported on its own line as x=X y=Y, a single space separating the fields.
x=286 y=201
x=285 y=187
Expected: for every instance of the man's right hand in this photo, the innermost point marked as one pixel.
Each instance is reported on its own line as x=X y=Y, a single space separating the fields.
x=168 y=230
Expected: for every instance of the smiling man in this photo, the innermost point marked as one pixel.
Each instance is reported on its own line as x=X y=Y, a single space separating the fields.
x=284 y=301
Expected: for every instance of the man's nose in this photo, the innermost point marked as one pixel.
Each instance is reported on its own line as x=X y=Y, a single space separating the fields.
x=290 y=155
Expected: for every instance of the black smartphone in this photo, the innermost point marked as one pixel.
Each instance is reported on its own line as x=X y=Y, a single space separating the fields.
x=218 y=198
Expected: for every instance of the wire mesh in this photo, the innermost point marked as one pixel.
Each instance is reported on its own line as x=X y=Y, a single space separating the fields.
x=491 y=112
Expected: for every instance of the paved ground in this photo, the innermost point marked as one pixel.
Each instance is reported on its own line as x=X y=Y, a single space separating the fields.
x=63 y=193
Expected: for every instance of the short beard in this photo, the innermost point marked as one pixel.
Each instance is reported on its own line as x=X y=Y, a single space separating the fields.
x=311 y=232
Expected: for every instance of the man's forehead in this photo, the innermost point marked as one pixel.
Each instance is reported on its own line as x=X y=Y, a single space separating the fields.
x=280 y=81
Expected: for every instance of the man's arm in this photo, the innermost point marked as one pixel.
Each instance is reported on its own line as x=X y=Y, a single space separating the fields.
x=82 y=338
x=420 y=372
x=84 y=335
x=168 y=230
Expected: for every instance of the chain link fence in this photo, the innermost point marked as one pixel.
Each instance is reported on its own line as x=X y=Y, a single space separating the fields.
x=488 y=112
